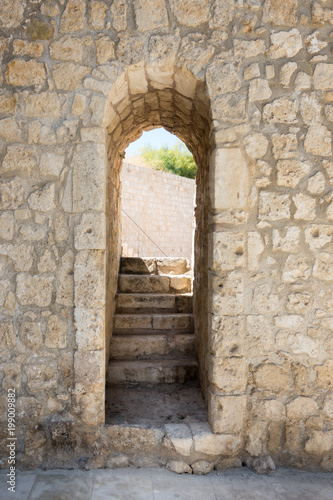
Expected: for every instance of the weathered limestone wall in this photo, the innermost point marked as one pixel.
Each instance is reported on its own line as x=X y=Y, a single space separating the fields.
x=248 y=85
x=162 y=204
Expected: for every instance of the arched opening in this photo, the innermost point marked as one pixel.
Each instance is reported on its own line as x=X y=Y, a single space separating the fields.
x=143 y=99
x=157 y=197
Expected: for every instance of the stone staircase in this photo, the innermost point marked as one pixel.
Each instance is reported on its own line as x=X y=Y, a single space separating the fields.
x=155 y=413
x=153 y=339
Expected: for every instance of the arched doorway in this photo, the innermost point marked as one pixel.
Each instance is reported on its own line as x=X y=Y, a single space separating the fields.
x=143 y=99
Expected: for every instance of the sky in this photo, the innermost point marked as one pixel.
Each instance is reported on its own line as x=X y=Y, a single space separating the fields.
x=156 y=138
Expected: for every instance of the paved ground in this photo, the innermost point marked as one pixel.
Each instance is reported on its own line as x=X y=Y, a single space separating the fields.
x=160 y=484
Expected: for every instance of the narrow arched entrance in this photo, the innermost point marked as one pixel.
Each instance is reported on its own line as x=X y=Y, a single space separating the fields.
x=143 y=99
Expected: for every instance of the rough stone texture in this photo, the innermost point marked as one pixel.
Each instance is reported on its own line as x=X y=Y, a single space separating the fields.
x=149 y=16
x=263 y=465
x=248 y=85
x=179 y=466
x=25 y=73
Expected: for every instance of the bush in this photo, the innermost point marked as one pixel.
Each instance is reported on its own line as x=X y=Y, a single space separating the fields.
x=176 y=160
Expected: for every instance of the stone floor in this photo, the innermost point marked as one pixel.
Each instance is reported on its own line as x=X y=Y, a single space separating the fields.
x=155 y=405
x=160 y=484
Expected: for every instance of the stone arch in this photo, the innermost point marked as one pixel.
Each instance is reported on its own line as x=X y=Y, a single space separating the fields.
x=141 y=99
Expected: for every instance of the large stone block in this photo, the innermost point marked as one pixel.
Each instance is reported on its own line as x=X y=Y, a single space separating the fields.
x=190 y=14
x=73 y=17
x=222 y=13
x=325 y=375
x=6 y=226
x=89 y=407
x=285 y=146
x=301 y=408
x=41 y=376
x=272 y=377
x=265 y=299
x=20 y=254
x=256 y=437
x=11 y=13
x=305 y=207
x=259 y=90
x=34 y=290
x=97 y=15
x=323 y=267
x=19 y=159
x=133 y=439
x=69 y=76
x=228 y=374
x=7 y=336
x=65 y=281
x=259 y=338
x=296 y=268
x=88 y=177
x=43 y=199
x=29 y=408
x=319 y=443
x=89 y=369
x=119 y=14
x=179 y=438
x=282 y=110
x=56 y=333
x=89 y=279
x=318 y=141
x=273 y=206
x=223 y=78
x=227 y=413
x=45 y=104
x=90 y=234
x=226 y=250
x=229 y=108
x=227 y=294
x=226 y=337
x=323 y=76
x=277 y=13
x=285 y=43
x=291 y=172
x=251 y=48
x=149 y=16
x=31 y=335
x=213 y=444
x=287 y=243
x=25 y=73
x=67 y=48
x=229 y=179
x=90 y=328
x=9 y=132
x=256 y=145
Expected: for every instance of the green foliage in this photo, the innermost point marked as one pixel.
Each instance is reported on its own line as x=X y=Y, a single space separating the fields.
x=176 y=160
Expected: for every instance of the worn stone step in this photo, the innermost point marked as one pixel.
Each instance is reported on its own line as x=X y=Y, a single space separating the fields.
x=126 y=323
x=154 y=284
x=126 y=347
x=153 y=372
x=150 y=265
x=131 y=303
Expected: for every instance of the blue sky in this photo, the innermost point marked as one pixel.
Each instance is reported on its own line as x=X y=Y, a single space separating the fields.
x=156 y=138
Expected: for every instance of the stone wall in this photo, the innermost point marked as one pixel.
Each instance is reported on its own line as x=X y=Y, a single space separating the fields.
x=248 y=86
x=162 y=204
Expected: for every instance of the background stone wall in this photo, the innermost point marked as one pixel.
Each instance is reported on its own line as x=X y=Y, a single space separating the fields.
x=162 y=204
x=248 y=85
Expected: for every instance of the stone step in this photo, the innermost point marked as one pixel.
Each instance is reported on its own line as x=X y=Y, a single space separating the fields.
x=153 y=372
x=126 y=347
x=131 y=303
x=154 y=284
x=151 y=265
x=141 y=323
